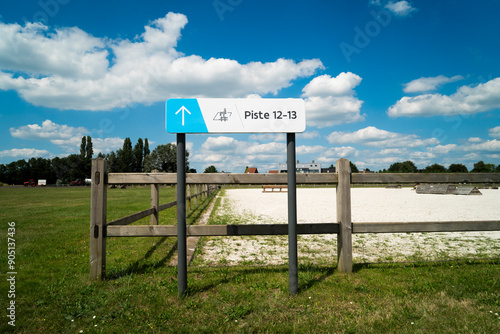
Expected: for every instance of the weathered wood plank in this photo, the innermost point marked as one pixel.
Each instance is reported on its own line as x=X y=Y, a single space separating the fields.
x=133 y=217
x=281 y=229
x=98 y=220
x=155 y=203
x=416 y=227
x=426 y=178
x=344 y=239
x=167 y=205
x=218 y=230
x=219 y=178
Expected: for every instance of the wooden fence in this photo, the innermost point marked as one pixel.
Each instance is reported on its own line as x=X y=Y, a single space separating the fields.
x=100 y=229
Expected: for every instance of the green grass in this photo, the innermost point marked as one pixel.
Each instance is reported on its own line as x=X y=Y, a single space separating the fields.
x=54 y=295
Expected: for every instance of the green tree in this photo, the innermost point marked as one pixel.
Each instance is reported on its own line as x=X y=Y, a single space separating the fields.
x=125 y=157
x=354 y=168
x=3 y=173
x=164 y=159
x=89 y=149
x=139 y=156
x=113 y=165
x=146 y=148
x=211 y=169
x=458 y=168
x=403 y=167
x=83 y=145
x=435 y=168
x=481 y=167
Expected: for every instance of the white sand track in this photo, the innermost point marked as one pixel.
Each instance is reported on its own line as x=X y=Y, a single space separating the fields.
x=317 y=205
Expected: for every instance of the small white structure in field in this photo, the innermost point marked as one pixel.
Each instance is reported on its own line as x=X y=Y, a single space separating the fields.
x=42 y=183
x=88 y=182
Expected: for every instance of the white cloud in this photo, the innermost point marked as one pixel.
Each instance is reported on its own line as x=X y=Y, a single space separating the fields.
x=304 y=149
x=495 y=132
x=487 y=146
x=335 y=153
x=371 y=136
x=475 y=140
x=221 y=143
x=443 y=149
x=106 y=145
x=48 y=130
x=68 y=138
x=308 y=135
x=25 y=153
x=467 y=100
x=325 y=86
x=267 y=137
x=66 y=53
x=230 y=154
x=429 y=83
x=69 y=69
x=400 y=8
x=330 y=100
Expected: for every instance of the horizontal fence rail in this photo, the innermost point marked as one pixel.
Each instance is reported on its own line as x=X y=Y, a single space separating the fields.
x=425 y=178
x=100 y=229
x=218 y=178
x=281 y=229
x=219 y=230
x=312 y=178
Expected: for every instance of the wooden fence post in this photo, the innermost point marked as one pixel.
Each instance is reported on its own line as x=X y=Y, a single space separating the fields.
x=98 y=219
x=189 y=197
x=195 y=194
x=344 y=237
x=155 y=203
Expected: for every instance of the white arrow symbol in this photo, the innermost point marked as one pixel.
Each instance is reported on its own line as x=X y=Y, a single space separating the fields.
x=183 y=109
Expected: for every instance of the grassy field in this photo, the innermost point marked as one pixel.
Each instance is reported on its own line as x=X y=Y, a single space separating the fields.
x=54 y=295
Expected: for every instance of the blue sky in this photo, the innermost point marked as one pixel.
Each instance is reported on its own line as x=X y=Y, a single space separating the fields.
x=383 y=81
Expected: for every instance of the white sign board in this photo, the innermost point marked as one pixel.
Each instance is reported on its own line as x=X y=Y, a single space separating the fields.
x=252 y=115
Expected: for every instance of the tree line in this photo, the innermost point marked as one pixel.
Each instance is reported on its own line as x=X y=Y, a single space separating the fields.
x=74 y=167
x=140 y=159
x=409 y=167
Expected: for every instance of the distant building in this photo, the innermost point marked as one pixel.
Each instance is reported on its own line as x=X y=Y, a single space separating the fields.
x=251 y=170
x=274 y=171
x=302 y=168
x=328 y=170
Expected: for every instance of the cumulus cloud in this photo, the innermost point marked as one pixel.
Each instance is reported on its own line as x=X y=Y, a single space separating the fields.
x=371 y=136
x=69 y=69
x=48 y=130
x=230 y=154
x=330 y=100
x=24 y=153
x=68 y=138
x=487 y=146
x=335 y=153
x=495 y=132
x=400 y=8
x=467 y=100
x=426 y=84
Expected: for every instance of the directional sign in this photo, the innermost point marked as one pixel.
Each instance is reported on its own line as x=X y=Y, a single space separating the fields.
x=235 y=115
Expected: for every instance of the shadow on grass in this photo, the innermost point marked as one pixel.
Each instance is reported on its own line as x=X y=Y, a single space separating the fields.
x=140 y=267
x=309 y=276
